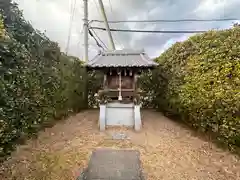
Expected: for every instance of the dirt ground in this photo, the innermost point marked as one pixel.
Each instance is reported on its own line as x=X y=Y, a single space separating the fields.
x=168 y=151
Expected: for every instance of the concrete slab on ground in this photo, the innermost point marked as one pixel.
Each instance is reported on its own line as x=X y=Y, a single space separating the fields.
x=119 y=136
x=108 y=164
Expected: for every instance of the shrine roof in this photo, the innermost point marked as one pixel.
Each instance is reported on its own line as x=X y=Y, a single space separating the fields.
x=121 y=58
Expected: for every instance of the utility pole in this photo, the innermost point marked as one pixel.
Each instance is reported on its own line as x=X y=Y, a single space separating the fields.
x=85 y=25
x=106 y=24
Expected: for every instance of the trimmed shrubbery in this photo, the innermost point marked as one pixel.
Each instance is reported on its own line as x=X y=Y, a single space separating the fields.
x=199 y=81
x=38 y=83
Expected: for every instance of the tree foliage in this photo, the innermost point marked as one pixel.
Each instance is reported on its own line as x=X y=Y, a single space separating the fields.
x=199 y=80
x=37 y=82
x=2 y=30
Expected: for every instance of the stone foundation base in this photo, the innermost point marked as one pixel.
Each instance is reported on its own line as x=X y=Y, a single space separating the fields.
x=119 y=114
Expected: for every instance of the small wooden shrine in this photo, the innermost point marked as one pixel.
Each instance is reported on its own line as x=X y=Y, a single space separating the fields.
x=120 y=96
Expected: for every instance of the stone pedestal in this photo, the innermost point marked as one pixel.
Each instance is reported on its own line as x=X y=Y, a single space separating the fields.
x=137 y=118
x=102 y=117
x=120 y=114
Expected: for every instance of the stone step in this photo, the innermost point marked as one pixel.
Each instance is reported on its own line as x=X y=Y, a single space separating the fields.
x=109 y=164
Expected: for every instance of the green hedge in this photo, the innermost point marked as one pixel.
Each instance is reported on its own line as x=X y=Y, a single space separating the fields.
x=2 y=30
x=199 y=81
x=38 y=83
x=95 y=81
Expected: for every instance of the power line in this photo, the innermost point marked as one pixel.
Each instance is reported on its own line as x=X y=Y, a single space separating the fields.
x=116 y=35
x=73 y=8
x=99 y=13
x=97 y=7
x=110 y=5
x=99 y=39
x=98 y=44
x=167 y=21
x=93 y=32
x=104 y=16
x=148 y=31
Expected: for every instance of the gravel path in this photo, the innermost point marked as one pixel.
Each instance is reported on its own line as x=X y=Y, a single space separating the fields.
x=168 y=151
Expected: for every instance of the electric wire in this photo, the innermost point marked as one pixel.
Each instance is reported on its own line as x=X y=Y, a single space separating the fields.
x=73 y=8
x=98 y=44
x=167 y=20
x=150 y=31
x=116 y=34
x=95 y=34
